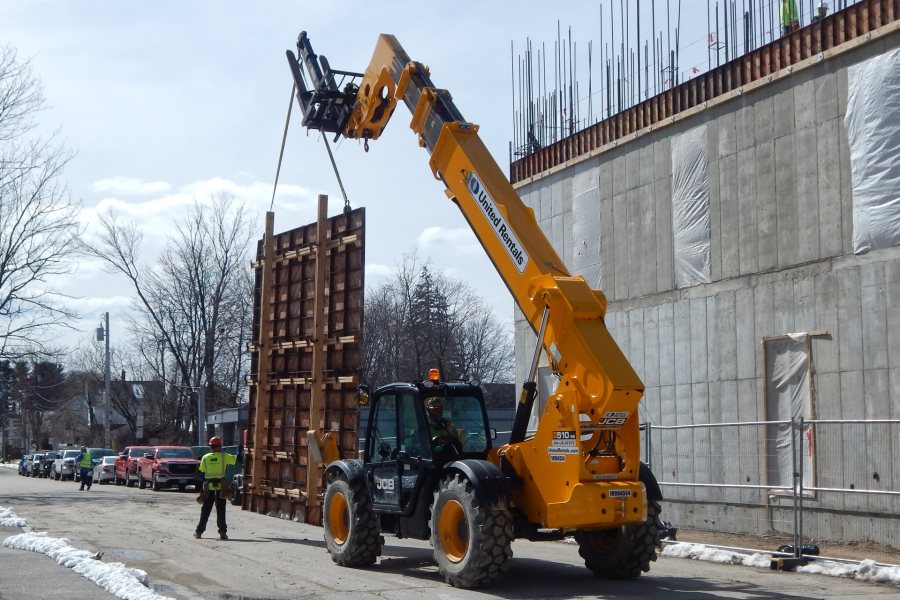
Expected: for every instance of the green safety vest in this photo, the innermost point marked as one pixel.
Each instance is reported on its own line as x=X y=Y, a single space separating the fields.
x=788 y=12
x=213 y=466
x=85 y=462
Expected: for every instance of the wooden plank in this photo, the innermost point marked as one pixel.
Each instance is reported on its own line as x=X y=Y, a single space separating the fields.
x=316 y=404
x=264 y=342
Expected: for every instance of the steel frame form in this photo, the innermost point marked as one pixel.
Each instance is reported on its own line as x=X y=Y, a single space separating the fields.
x=305 y=358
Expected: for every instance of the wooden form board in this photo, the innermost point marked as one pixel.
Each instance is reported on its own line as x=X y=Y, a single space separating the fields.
x=837 y=33
x=293 y=374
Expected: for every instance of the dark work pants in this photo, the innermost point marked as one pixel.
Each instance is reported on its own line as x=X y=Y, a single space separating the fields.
x=213 y=497
x=86 y=475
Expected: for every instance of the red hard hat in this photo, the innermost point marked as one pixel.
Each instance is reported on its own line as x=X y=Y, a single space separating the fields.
x=215 y=441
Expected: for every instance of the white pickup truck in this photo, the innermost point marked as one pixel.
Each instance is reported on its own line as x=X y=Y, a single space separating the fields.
x=64 y=466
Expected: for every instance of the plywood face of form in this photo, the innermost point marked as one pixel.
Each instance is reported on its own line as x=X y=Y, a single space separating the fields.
x=285 y=388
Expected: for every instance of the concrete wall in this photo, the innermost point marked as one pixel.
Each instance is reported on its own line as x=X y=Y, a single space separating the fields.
x=781 y=262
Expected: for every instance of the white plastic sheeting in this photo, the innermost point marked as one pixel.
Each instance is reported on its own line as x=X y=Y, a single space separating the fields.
x=873 y=133
x=787 y=398
x=690 y=207
x=586 y=226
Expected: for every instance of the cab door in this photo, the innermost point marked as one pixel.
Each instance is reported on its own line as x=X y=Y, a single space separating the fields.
x=395 y=442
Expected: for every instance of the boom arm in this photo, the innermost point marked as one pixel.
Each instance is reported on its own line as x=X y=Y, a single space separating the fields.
x=595 y=404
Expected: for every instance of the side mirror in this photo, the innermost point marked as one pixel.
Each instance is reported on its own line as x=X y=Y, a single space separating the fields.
x=362 y=395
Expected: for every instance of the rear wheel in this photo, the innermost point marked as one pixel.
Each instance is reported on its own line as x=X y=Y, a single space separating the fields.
x=472 y=542
x=624 y=552
x=351 y=527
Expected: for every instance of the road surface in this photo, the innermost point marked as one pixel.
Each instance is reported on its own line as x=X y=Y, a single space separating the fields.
x=268 y=558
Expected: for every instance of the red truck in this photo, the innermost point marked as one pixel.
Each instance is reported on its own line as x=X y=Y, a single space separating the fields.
x=127 y=462
x=164 y=466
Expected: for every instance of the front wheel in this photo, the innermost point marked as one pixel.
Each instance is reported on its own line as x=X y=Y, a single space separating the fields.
x=156 y=486
x=624 y=552
x=141 y=483
x=472 y=542
x=351 y=527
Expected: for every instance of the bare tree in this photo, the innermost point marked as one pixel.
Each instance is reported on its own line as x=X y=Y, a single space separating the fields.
x=39 y=223
x=422 y=319
x=193 y=304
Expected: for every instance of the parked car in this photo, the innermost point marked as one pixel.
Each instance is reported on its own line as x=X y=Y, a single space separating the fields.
x=99 y=453
x=105 y=471
x=34 y=467
x=165 y=466
x=47 y=465
x=237 y=486
x=64 y=466
x=127 y=464
x=23 y=464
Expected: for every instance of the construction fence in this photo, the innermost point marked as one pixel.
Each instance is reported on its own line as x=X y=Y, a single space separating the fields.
x=831 y=483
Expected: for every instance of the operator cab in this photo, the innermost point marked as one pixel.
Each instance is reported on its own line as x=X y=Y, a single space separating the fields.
x=409 y=442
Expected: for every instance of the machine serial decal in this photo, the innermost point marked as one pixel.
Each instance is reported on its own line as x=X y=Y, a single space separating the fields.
x=619 y=493
x=501 y=228
x=557 y=458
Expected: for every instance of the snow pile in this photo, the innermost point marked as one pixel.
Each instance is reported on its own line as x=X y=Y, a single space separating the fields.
x=121 y=581
x=867 y=570
x=718 y=555
x=9 y=466
x=9 y=519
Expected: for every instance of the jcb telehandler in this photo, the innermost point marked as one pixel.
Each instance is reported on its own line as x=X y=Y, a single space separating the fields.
x=579 y=474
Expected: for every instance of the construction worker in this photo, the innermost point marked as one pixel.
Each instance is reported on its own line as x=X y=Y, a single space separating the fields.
x=444 y=437
x=790 y=21
x=213 y=466
x=85 y=468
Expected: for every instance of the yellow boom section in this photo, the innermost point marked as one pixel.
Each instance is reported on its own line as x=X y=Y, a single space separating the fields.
x=580 y=469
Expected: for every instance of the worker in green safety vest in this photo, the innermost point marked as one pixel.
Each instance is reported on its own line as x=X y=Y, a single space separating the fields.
x=790 y=21
x=214 y=489
x=85 y=468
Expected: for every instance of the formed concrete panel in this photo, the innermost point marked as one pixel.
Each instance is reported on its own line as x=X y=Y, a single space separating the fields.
x=683 y=345
x=874 y=323
x=829 y=184
x=850 y=337
x=666 y=354
x=698 y=341
x=620 y=247
x=647 y=200
x=892 y=314
x=730 y=229
x=807 y=195
x=726 y=335
x=826 y=86
x=766 y=207
x=786 y=199
x=745 y=340
x=748 y=226
x=825 y=348
x=650 y=372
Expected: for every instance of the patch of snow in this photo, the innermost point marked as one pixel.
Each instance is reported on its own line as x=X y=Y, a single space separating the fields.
x=121 y=581
x=9 y=519
x=9 y=466
x=866 y=570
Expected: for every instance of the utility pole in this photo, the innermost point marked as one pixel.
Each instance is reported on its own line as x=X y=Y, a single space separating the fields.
x=106 y=437
x=201 y=415
x=103 y=334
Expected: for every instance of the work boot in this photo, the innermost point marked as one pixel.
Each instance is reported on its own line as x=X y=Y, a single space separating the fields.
x=197 y=534
x=223 y=536
x=81 y=489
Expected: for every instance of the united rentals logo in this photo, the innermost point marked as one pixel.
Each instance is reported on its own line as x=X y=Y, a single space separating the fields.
x=495 y=218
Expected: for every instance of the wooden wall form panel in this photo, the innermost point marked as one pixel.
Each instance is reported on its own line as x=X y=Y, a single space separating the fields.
x=283 y=390
x=812 y=42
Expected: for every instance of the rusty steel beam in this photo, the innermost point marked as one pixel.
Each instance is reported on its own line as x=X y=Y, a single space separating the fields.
x=855 y=21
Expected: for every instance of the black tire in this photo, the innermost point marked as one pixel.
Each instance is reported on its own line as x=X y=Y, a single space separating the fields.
x=181 y=487
x=472 y=543
x=351 y=527
x=129 y=482
x=622 y=553
x=141 y=483
x=156 y=486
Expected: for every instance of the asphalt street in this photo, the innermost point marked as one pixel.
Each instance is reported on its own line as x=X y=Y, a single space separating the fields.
x=269 y=558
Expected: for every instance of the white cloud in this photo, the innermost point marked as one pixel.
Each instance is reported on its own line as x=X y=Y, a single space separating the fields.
x=129 y=186
x=377 y=270
x=459 y=241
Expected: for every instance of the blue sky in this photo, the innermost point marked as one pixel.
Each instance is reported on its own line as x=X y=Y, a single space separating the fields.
x=168 y=101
